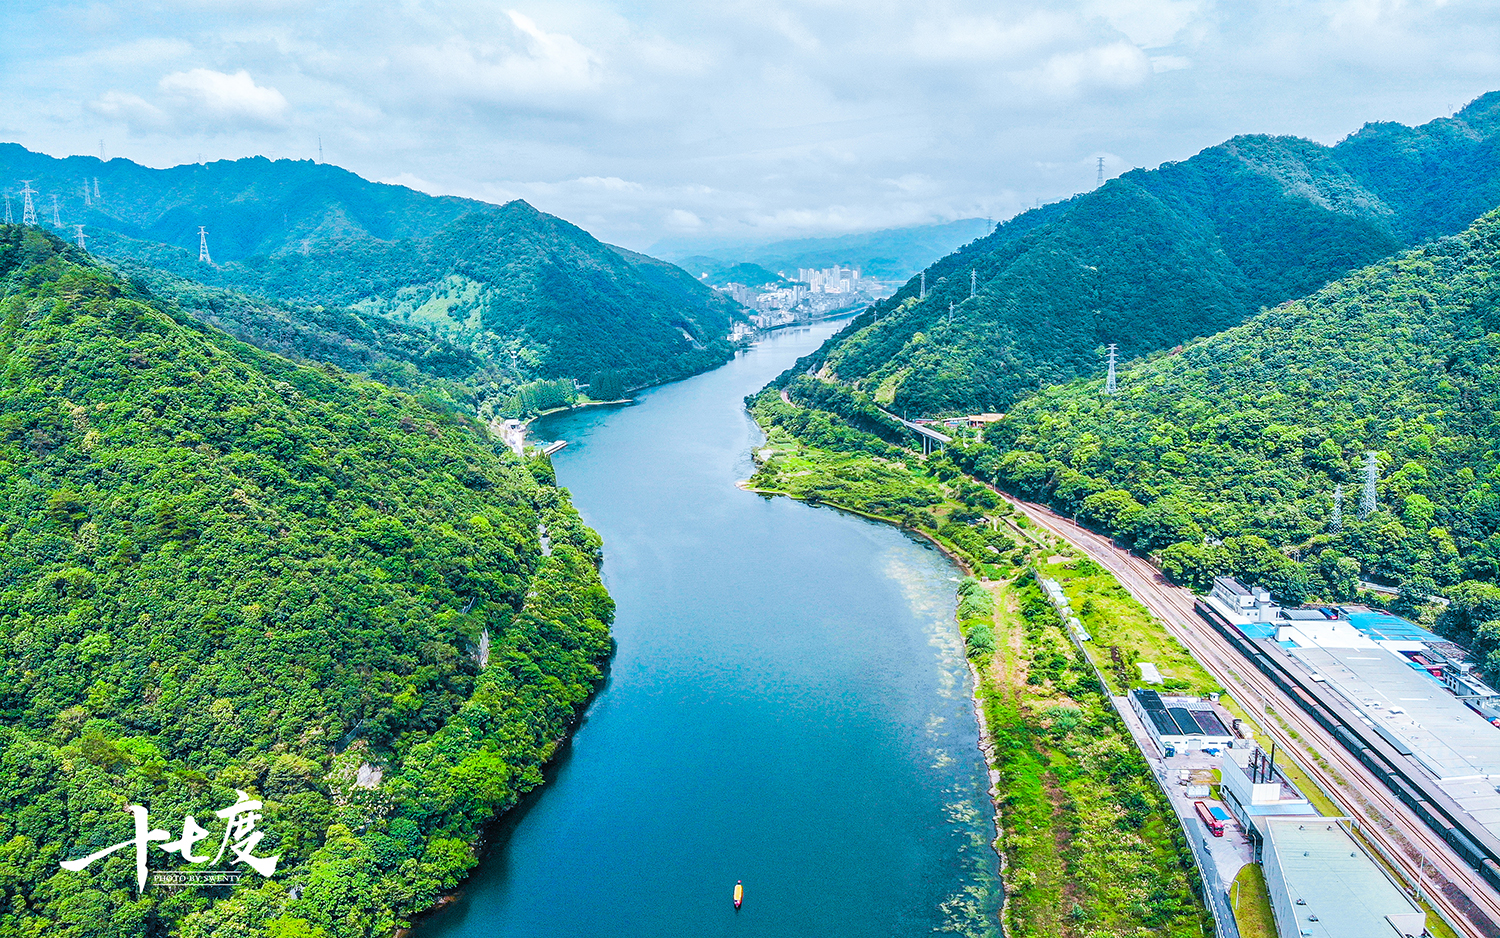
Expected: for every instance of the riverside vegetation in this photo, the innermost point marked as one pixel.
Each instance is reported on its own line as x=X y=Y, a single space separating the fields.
x=223 y=570
x=1091 y=847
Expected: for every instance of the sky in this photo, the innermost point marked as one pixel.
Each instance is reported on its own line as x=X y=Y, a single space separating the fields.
x=737 y=119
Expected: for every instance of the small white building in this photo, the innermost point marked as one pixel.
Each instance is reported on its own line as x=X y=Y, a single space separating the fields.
x=1182 y=723
x=1241 y=604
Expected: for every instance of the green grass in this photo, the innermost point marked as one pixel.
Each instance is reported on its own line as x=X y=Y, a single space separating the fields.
x=1114 y=618
x=1252 y=903
x=1091 y=846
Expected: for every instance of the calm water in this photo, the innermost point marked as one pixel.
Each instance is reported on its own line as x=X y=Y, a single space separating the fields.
x=788 y=706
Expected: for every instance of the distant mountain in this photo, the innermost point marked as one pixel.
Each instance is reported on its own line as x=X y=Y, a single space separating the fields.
x=1157 y=257
x=531 y=294
x=720 y=274
x=891 y=254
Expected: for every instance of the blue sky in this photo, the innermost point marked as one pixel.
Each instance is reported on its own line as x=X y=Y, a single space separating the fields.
x=746 y=118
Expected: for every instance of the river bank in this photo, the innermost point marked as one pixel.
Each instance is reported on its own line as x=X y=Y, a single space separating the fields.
x=762 y=650
x=1080 y=825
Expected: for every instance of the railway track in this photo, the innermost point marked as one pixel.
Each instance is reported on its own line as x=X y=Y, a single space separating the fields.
x=1421 y=855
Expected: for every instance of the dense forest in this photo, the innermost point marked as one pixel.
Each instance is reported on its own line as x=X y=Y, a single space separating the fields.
x=527 y=293
x=226 y=571
x=1226 y=455
x=1155 y=258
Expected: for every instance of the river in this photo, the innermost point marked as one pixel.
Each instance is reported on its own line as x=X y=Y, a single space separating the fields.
x=788 y=705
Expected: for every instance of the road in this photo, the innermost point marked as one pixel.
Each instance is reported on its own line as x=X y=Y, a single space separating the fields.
x=1444 y=879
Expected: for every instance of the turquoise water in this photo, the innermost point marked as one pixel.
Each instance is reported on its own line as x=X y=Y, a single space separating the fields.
x=788 y=706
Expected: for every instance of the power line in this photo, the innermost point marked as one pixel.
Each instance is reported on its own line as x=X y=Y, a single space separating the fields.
x=28 y=208
x=203 y=246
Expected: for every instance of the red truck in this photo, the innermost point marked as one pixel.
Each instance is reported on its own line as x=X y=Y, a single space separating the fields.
x=1206 y=815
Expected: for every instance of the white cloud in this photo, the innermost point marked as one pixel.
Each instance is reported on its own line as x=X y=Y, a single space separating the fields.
x=214 y=96
x=130 y=109
x=1118 y=65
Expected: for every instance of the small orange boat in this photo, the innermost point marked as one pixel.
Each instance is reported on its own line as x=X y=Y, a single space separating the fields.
x=739 y=893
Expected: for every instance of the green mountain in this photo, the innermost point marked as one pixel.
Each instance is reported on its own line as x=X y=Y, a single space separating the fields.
x=225 y=571
x=1155 y=258
x=1225 y=455
x=534 y=296
x=889 y=254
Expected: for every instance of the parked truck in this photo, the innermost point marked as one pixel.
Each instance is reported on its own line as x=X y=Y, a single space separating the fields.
x=1206 y=815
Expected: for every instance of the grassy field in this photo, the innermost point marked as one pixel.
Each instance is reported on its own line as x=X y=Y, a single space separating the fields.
x=1252 y=903
x=1092 y=846
x=1117 y=622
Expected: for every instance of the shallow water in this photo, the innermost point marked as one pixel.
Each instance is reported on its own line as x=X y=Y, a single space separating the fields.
x=788 y=706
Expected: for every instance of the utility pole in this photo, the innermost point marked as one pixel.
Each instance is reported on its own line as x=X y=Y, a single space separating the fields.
x=973 y=282
x=203 y=257
x=28 y=208
x=923 y=294
x=1109 y=382
x=82 y=241
x=1336 y=524
x=1100 y=180
x=1367 y=496
x=56 y=219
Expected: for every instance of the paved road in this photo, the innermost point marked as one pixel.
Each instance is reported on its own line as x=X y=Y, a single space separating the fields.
x=1444 y=879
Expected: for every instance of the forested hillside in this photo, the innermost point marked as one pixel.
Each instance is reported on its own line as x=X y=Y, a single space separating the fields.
x=533 y=296
x=1225 y=456
x=223 y=570
x=1155 y=258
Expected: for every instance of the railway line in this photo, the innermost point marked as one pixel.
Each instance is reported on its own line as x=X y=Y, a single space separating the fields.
x=1405 y=840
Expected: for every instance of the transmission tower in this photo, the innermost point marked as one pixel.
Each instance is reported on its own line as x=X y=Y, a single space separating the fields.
x=1367 y=496
x=1100 y=181
x=950 y=312
x=320 y=148
x=1336 y=523
x=9 y=218
x=88 y=200
x=28 y=208
x=96 y=189
x=56 y=218
x=82 y=241
x=923 y=294
x=203 y=246
x=973 y=282
x=1109 y=382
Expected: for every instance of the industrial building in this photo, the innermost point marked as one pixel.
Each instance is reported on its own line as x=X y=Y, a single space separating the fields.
x=1181 y=724
x=1323 y=885
x=1253 y=787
